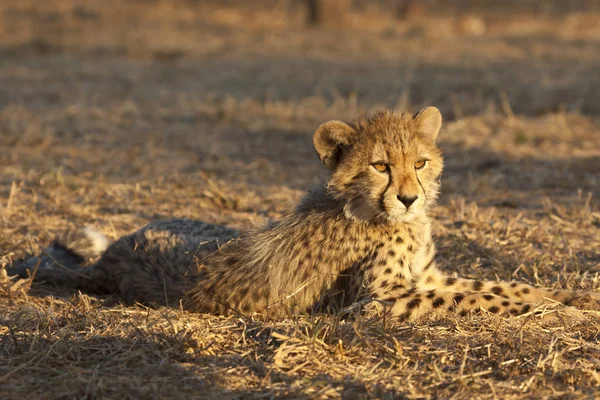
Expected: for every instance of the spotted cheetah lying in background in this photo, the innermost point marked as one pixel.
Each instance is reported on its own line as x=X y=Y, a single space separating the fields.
x=364 y=235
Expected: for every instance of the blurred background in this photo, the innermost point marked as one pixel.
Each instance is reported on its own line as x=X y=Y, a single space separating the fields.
x=465 y=56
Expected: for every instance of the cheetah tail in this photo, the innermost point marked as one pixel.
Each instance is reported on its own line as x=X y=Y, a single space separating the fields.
x=59 y=264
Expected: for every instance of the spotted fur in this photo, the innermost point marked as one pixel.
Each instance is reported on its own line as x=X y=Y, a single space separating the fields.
x=364 y=235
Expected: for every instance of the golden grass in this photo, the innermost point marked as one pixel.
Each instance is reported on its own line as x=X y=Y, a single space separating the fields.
x=176 y=110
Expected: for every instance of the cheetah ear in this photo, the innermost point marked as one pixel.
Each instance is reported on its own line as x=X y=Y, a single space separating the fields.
x=428 y=121
x=329 y=139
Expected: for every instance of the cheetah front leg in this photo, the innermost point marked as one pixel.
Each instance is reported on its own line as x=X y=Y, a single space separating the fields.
x=437 y=293
x=520 y=292
x=414 y=304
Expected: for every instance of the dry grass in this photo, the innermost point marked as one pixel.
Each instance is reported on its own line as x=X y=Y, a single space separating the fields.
x=118 y=116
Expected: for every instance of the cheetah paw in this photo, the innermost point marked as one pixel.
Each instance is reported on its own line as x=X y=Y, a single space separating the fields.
x=586 y=301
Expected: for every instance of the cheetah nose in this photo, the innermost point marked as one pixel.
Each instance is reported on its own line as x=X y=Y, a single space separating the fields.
x=406 y=200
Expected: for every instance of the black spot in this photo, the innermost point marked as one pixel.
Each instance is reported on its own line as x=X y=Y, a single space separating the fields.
x=513 y=311
x=514 y=284
x=431 y=294
x=243 y=292
x=384 y=284
x=211 y=289
x=526 y=308
x=472 y=301
x=517 y=293
x=306 y=274
x=437 y=303
x=231 y=260
x=505 y=303
x=387 y=271
x=497 y=290
x=450 y=281
x=488 y=297
x=429 y=264
x=494 y=310
x=399 y=275
x=525 y=290
x=379 y=245
x=397 y=286
x=477 y=285
x=413 y=303
x=568 y=302
x=391 y=253
x=404 y=316
x=383 y=263
x=410 y=248
x=463 y=313
x=399 y=240
x=407 y=294
x=458 y=298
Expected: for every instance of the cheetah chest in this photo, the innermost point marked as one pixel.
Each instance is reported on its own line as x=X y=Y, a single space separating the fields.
x=400 y=262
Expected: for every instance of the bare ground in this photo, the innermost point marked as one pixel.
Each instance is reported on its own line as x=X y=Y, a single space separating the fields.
x=115 y=114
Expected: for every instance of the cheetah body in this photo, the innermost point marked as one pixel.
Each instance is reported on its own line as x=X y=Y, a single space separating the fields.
x=365 y=235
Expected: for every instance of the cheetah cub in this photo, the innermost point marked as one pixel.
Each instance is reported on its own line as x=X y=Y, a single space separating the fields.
x=364 y=235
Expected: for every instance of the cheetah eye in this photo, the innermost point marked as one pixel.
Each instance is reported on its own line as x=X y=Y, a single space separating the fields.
x=420 y=164
x=380 y=167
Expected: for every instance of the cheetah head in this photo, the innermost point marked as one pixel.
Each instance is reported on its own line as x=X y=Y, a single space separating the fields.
x=385 y=167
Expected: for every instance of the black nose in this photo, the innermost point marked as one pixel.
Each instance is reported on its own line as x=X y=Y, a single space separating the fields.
x=407 y=201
